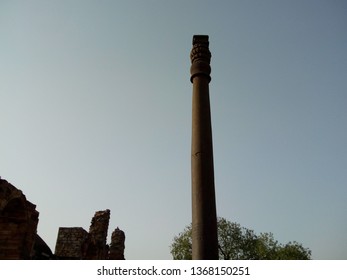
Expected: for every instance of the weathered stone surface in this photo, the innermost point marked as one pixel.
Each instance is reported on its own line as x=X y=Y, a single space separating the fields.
x=70 y=241
x=117 y=245
x=77 y=243
x=95 y=247
x=19 y=238
x=18 y=223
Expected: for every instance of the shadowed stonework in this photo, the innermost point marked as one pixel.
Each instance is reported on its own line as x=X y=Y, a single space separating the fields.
x=77 y=243
x=117 y=245
x=19 y=239
x=18 y=227
x=18 y=223
x=95 y=247
x=69 y=242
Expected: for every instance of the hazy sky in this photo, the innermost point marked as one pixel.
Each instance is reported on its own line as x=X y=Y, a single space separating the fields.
x=96 y=114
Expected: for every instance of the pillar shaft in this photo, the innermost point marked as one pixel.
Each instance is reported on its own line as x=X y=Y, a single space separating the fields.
x=204 y=217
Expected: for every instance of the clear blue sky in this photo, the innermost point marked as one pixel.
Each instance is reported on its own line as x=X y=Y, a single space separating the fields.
x=96 y=113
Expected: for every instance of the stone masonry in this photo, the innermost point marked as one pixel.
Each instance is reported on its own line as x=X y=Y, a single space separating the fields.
x=18 y=223
x=95 y=247
x=69 y=242
x=77 y=243
x=117 y=245
x=19 y=239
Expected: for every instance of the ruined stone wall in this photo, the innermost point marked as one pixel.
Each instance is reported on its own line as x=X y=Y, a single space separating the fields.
x=18 y=223
x=77 y=243
x=19 y=238
x=70 y=242
x=95 y=247
x=117 y=245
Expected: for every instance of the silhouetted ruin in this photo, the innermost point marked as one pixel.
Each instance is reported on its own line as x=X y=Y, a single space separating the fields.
x=75 y=243
x=117 y=245
x=18 y=223
x=19 y=239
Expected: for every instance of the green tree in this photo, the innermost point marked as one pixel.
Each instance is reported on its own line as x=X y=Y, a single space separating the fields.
x=235 y=242
x=240 y=243
x=181 y=248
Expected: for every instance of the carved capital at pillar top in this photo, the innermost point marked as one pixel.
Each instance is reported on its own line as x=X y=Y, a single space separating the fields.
x=200 y=49
x=200 y=57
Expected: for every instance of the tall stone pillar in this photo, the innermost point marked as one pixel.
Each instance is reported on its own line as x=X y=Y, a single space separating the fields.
x=204 y=217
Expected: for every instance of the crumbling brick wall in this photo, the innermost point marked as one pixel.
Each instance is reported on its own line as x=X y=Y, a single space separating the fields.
x=18 y=223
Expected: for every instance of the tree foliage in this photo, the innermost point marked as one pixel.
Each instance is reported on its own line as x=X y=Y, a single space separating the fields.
x=240 y=243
